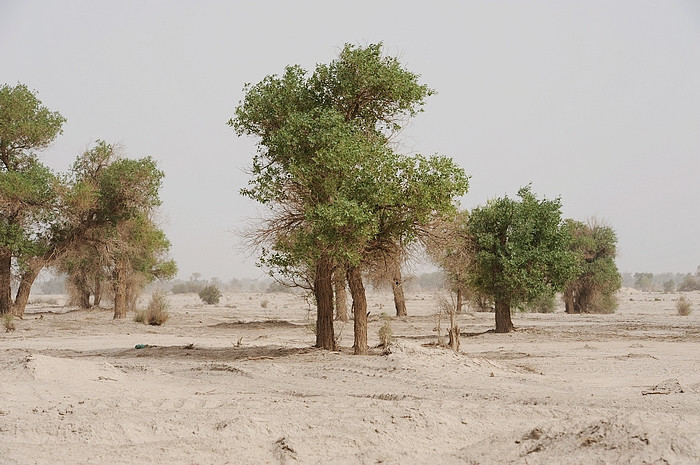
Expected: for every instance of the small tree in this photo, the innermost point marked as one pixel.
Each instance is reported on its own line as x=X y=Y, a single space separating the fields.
x=593 y=287
x=521 y=252
x=643 y=281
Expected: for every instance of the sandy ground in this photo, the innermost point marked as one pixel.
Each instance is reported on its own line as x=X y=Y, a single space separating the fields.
x=238 y=383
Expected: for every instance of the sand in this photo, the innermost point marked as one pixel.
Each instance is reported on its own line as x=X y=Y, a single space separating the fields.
x=238 y=383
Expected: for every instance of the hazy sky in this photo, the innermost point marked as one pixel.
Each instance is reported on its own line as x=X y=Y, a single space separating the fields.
x=594 y=101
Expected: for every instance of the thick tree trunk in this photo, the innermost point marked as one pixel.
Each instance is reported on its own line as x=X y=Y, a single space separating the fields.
x=359 y=303
x=5 y=282
x=25 y=288
x=323 y=291
x=503 y=321
x=397 y=287
x=341 y=297
x=120 y=291
x=460 y=300
x=98 y=291
x=569 y=301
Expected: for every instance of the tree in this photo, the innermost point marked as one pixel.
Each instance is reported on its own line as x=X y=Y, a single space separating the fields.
x=27 y=187
x=335 y=188
x=448 y=244
x=521 y=252
x=644 y=281
x=593 y=287
x=111 y=234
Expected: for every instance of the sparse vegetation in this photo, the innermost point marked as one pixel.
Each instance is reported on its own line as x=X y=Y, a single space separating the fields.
x=546 y=303
x=386 y=335
x=157 y=312
x=683 y=306
x=9 y=321
x=210 y=295
x=264 y=303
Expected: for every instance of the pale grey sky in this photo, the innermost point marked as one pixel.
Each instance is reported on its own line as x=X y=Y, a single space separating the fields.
x=594 y=101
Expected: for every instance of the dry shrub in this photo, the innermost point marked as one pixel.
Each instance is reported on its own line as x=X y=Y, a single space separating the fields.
x=157 y=312
x=264 y=303
x=683 y=306
x=386 y=335
x=9 y=321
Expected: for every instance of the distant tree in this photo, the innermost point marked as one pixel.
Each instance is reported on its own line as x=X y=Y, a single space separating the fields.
x=643 y=281
x=521 y=252
x=592 y=289
x=335 y=188
x=689 y=283
x=28 y=195
x=669 y=286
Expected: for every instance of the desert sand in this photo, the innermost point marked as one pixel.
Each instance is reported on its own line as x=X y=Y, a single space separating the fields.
x=238 y=383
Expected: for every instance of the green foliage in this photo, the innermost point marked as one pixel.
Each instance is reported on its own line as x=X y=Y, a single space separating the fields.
x=187 y=287
x=669 y=286
x=210 y=295
x=521 y=248
x=643 y=281
x=593 y=287
x=545 y=303
x=28 y=189
x=325 y=166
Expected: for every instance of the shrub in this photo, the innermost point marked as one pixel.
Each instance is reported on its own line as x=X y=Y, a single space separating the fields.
x=187 y=287
x=683 y=306
x=385 y=334
x=210 y=295
x=157 y=312
x=546 y=303
x=264 y=303
x=9 y=322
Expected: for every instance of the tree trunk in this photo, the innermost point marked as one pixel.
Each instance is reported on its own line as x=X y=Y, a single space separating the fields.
x=25 y=288
x=98 y=291
x=568 y=298
x=359 y=303
x=460 y=300
x=5 y=282
x=503 y=321
x=323 y=291
x=119 y=283
x=397 y=287
x=341 y=297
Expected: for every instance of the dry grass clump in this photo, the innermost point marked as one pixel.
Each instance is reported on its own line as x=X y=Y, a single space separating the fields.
x=157 y=312
x=9 y=321
x=683 y=306
x=386 y=335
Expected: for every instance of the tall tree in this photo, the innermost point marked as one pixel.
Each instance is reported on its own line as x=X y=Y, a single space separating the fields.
x=324 y=167
x=593 y=287
x=27 y=187
x=521 y=252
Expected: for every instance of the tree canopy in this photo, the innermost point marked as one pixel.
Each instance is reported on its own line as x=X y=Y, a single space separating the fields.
x=28 y=189
x=521 y=251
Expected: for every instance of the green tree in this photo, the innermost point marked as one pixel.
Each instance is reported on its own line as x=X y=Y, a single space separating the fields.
x=110 y=234
x=27 y=187
x=335 y=187
x=521 y=252
x=593 y=288
x=644 y=281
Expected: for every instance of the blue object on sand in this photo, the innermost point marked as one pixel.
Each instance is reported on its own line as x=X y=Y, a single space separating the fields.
x=140 y=346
